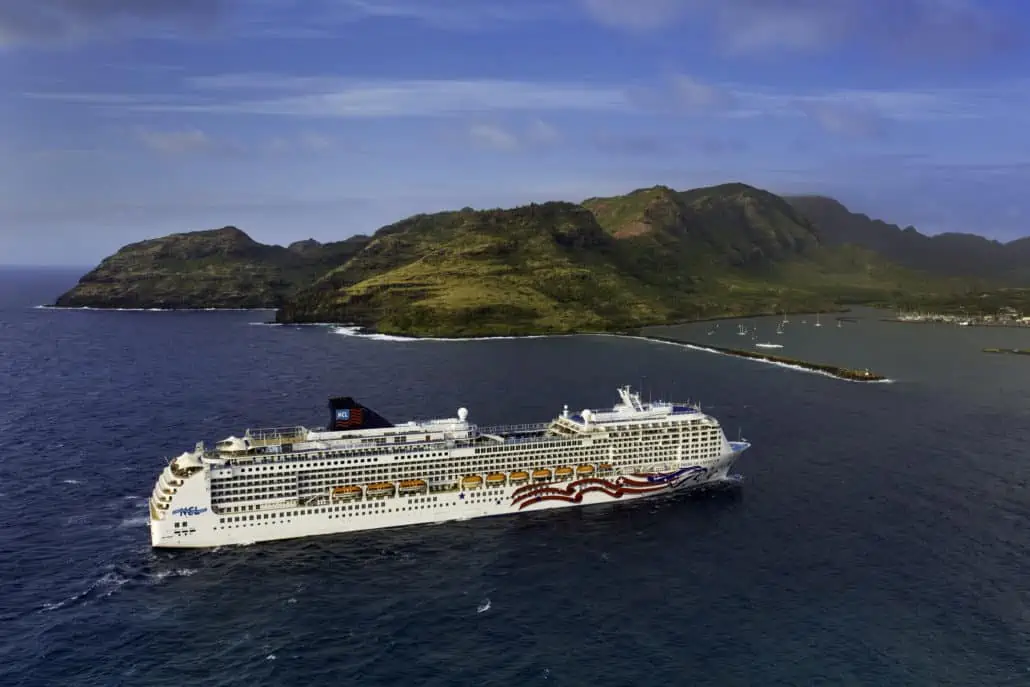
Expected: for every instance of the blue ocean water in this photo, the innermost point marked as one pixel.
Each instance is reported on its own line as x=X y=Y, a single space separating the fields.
x=879 y=535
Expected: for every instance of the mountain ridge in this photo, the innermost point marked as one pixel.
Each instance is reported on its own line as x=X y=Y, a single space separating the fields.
x=653 y=255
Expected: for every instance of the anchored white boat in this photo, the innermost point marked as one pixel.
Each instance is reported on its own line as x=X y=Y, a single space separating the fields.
x=364 y=472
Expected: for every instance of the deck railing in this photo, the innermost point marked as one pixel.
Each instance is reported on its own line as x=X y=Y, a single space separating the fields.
x=275 y=435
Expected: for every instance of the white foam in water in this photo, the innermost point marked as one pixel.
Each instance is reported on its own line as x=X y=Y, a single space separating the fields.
x=294 y=324
x=86 y=307
x=358 y=333
x=134 y=522
x=484 y=606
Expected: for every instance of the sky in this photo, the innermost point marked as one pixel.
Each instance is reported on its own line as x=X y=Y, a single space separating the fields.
x=128 y=119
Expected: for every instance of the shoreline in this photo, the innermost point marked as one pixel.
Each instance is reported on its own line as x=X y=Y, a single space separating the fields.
x=107 y=309
x=987 y=325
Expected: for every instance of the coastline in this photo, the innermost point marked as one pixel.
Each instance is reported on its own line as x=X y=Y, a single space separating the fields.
x=92 y=308
x=986 y=325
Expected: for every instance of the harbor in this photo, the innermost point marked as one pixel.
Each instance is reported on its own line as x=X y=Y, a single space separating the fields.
x=1005 y=317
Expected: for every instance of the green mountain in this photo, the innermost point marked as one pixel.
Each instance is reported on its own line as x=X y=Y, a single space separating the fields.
x=949 y=254
x=651 y=256
x=218 y=268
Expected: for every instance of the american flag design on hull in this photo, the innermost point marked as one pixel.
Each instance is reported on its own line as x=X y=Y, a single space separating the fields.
x=573 y=492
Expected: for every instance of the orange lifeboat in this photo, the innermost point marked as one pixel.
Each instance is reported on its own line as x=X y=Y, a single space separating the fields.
x=541 y=475
x=347 y=493
x=495 y=479
x=377 y=489
x=585 y=470
x=519 y=477
x=471 y=482
x=563 y=472
x=605 y=468
x=413 y=486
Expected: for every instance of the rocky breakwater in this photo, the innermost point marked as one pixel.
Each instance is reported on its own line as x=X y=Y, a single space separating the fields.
x=833 y=370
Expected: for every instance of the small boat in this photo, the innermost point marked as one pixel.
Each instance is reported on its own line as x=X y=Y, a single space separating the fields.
x=585 y=470
x=518 y=477
x=496 y=479
x=377 y=489
x=413 y=486
x=348 y=493
x=605 y=469
x=471 y=482
x=541 y=475
x=563 y=472
x=764 y=344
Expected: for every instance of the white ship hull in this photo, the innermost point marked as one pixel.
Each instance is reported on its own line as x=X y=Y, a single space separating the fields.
x=206 y=532
x=364 y=473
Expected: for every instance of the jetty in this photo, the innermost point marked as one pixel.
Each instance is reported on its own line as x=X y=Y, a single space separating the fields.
x=1010 y=351
x=833 y=370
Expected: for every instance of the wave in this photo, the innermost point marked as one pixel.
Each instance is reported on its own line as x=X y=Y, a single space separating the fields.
x=112 y=581
x=294 y=324
x=358 y=332
x=88 y=307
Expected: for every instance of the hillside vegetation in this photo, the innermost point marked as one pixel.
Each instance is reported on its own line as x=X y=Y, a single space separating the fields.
x=218 y=268
x=651 y=256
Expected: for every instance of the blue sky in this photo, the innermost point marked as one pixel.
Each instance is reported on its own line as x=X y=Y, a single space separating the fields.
x=292 y=119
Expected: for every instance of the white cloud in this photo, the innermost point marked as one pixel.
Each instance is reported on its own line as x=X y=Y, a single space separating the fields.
x=178 y=142
x=306 y=142
x=493 y=136
x=41 y=21
x=845 y=118
x=497 y=137
x=443 y=14
x=330 y=97
x=844 y=111
x=541 y=132
x=695 y=95
x=635 y=14
x=926 y=28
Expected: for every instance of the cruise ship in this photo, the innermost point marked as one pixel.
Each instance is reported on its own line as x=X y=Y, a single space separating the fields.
x=363 y=472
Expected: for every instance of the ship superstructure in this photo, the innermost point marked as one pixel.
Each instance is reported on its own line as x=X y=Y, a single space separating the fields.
x=364 y=472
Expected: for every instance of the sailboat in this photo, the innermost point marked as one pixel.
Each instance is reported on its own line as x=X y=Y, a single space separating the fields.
x=817 y=322
x=779 y=328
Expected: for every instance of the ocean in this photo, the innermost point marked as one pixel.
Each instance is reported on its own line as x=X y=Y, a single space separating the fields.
x=878 y=534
